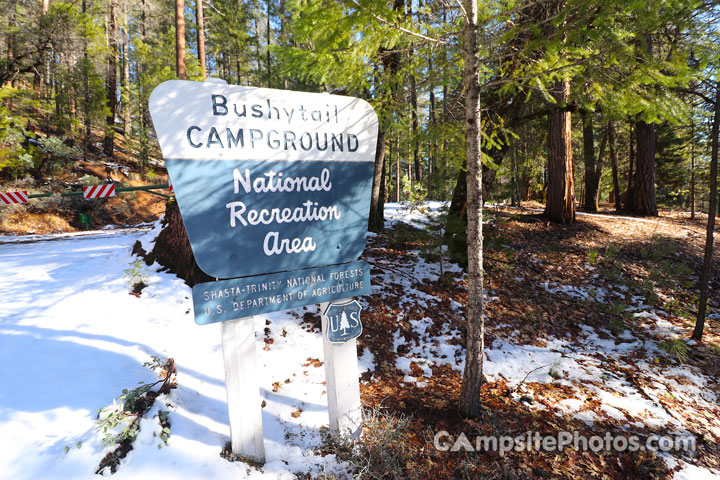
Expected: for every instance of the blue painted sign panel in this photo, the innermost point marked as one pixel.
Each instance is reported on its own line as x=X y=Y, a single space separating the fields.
x=237 y=228
x=244 y=297
x=343 y=321
x=267 y=180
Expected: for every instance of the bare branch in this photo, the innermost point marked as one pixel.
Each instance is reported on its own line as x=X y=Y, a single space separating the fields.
x=398 y=27
x=462 y=8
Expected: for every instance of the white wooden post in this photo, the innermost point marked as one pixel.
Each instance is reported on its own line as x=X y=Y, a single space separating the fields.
x=342 y=382
x=243 y=390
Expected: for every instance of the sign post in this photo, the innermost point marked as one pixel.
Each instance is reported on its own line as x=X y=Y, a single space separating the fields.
x=274 y=190
x=341 y=377
x=241 y=383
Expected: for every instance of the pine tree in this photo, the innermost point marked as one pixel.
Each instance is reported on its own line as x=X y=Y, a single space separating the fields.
x=473 y=378
x=560 y=206
x=344 y=324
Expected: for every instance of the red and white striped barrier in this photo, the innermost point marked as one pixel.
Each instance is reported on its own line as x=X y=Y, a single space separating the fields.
x=13 y=197
x=99 y=191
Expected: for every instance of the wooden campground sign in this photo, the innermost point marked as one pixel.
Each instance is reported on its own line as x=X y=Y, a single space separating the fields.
x=267 y=180
x=274 y=190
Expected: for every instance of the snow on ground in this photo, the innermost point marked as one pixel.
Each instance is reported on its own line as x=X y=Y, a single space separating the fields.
x=72 y=338
x=415 y=215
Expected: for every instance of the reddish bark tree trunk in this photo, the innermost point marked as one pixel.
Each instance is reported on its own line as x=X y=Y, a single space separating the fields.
x=560 y=207
x=172 y=248
x=200 y=17
x=180 y=39
x=643 y=192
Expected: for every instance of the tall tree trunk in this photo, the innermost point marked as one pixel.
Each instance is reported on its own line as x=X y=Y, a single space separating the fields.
x=398 y=170
x=180 y=39
x=144 y=153
x=268 y=32
x=515 y=194
x=10 y=38
x=391 y=64
x=631 y=173
x=237 y=67
x=444 y=52
x=258 y=53
x=387 y=185
x=525 y=178
x=692 y=166
x=433 y=122
x=282 y=37
x=613 y=164
x=86 y=91
x=410 y=178
x=414 y=111
x=473 y=378
x=592 y=182
x=111 y=81
x=560 y=207
x=37 y=78
x=643 y=196
x=377 y=219
x=414 y=105
x=200 y=19
x=489 y=173
x=383 y=187
x=125 y=92
x=456 y=224
x=712 y=211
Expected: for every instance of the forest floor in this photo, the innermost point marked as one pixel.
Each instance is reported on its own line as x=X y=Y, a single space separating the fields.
x=586 y=331
x=586 y=335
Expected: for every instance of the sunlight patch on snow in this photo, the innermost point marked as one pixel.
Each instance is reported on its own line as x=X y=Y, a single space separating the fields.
x=407 y=213
x=595 y=294
x=587 y=416
x=555 y=362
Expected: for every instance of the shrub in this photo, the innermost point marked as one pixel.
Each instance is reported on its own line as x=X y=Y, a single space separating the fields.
x=383 y=451
x=675 y=347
